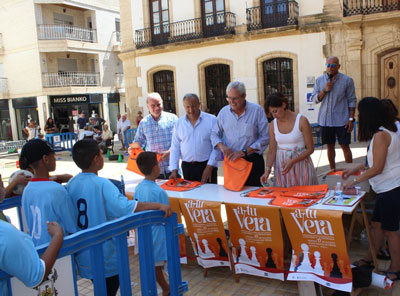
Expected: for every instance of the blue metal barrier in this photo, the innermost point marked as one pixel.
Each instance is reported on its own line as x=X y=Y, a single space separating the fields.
x=62 y=141
x=93 y=238
x=14 y=202
x=129 y=136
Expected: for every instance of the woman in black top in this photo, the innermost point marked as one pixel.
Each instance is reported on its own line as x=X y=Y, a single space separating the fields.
x=50 y=127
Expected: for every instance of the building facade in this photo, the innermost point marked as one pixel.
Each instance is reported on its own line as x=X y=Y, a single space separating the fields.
x=179 y=46
x=57 y=59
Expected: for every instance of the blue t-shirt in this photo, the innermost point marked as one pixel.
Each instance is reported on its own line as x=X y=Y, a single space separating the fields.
x=47 y=201
x=96 y=200
x=18 y=257
x=149 y=191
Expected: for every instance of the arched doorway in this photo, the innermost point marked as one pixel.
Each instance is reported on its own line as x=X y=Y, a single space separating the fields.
x=163 y=82
x=217 y=78
x=390 y=77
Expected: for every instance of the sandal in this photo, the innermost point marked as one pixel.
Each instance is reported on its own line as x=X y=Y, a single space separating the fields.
x=396 y=273
x=363 y=262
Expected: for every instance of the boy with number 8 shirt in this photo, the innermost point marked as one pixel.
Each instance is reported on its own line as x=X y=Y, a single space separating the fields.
x=97 y=200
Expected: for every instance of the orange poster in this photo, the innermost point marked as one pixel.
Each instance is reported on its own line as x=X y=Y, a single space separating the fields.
x=174 y=204
x=206 y=231
x=319 y=248
x=256 y=237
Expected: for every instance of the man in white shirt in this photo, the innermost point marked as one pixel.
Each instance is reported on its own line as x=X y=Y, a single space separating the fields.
x=125 y=124
x=191 y=142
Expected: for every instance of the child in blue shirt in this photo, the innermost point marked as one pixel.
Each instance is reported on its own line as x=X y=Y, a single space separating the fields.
x=96 y=201
x=149 y=191
x=18 y=256
x=44 y=200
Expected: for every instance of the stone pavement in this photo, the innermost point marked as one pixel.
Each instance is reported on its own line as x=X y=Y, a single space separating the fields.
x=219 y=281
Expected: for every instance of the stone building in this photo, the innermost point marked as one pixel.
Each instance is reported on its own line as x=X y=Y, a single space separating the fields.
x=180 y=46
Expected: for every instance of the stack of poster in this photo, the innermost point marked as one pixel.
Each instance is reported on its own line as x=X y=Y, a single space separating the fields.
x=256 y=237
x=319 y=248
x=206 y=231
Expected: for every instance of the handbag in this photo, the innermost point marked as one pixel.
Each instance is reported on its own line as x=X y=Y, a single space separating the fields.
x=236 y=173
x=132 y=165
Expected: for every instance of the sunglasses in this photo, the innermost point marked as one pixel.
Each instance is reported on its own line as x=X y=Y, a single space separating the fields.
x=331 y=65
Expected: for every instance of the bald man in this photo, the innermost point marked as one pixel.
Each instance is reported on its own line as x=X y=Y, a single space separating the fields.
x=155 y=131
x=335 y=91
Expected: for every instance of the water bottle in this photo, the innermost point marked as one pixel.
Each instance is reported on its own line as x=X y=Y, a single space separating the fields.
x=339 y=193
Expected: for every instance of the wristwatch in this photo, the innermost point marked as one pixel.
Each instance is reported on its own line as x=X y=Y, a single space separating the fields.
x=244 y=151
x=351 y=119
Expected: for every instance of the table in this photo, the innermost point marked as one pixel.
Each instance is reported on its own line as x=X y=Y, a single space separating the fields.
x=214 y=192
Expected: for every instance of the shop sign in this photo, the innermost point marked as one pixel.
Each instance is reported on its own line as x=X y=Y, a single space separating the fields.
x=69 y=99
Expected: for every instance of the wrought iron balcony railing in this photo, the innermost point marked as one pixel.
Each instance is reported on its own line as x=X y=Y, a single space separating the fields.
x=62 y=79
x=354 y=7
x=66 y=32
x=212 y=25
x=279 y=14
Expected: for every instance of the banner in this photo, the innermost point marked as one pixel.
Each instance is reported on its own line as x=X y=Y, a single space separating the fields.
x=319 y=248
x=256 y=237
x=206 y=231
x=174 y=204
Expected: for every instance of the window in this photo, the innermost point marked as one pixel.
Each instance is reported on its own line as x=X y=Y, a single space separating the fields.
x=159 y=20
x=274 y=13
x=163 y=82
x=217 y=79
x=278 y=77
x=213 y=12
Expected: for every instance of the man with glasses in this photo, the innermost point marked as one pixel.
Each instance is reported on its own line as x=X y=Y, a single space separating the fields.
x=241 y=130
x=335 y=91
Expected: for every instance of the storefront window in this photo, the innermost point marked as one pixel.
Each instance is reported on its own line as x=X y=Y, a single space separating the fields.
x=5 y=130
x=24 y=115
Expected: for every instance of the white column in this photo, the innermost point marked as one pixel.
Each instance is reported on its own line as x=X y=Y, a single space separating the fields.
x=43 y=110
x=13 y=120
x=106 y=110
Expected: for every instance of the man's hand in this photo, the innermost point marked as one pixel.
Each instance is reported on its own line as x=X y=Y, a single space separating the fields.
x=166 y=209
x=225 y=150
x=207 y=173
x=164 y=156
x=174 y=175
x=328 y=86
x=54 y=229
x=235 y=155
x=349 y=126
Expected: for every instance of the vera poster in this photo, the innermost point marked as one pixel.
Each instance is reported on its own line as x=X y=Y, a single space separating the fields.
x=206 y=231
x=256 y=237
x=174 y=204
x=319 y=248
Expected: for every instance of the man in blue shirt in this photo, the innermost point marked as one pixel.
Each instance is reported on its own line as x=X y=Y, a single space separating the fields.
x=155 y=131
x=191 y=141
x=242 y=131
x=335 y=91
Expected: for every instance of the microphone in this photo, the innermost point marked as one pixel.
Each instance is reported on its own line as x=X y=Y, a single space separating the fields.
x=330 y=77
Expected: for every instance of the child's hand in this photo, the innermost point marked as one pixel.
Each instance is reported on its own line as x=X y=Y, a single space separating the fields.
x=54 y=229
x=166 y=209
x=22 y=179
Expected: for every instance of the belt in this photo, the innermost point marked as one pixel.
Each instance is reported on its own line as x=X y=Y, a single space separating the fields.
x=195 y=162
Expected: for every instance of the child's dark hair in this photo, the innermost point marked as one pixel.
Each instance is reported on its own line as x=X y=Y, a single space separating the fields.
x=275 y=100
x=84 y=152
x=146 y=162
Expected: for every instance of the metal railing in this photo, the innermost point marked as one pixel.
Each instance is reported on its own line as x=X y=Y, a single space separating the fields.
x=354 y=7
x=66 y=32
x=119 y=80
x=93 y=238
x=213 y=25
x=60 y=79
x=279 y=14
x=3 y=86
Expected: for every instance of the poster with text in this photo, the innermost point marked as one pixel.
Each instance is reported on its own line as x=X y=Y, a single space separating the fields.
x=60 y=281
x=256 y=237
x=319 y=248
x=206 y=231
x=174 y=204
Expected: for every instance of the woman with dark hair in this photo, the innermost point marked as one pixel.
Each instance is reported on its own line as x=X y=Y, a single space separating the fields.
x=290 y=146
x=50 y=127
x=383 y=173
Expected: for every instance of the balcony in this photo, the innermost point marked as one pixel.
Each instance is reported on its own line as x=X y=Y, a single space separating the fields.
x=354 y=7
x=3 y=87
x=279 y=14
x=65 y=79
x=209 y=26
x=119 y=80
x=66 y=32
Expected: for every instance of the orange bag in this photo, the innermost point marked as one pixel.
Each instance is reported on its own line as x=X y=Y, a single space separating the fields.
x=236 y=173
x=132 y=166
x=307 y=192
x=339 y=173
x=291 y=202
x=135 y=151
x=266 y=192
x=180 y=185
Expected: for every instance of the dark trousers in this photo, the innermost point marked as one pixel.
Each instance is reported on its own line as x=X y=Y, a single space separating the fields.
x=257 y=170
x=193 y=171
x=112 y=284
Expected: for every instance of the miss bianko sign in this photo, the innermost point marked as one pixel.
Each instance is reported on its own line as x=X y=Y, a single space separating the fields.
x=69 y=99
